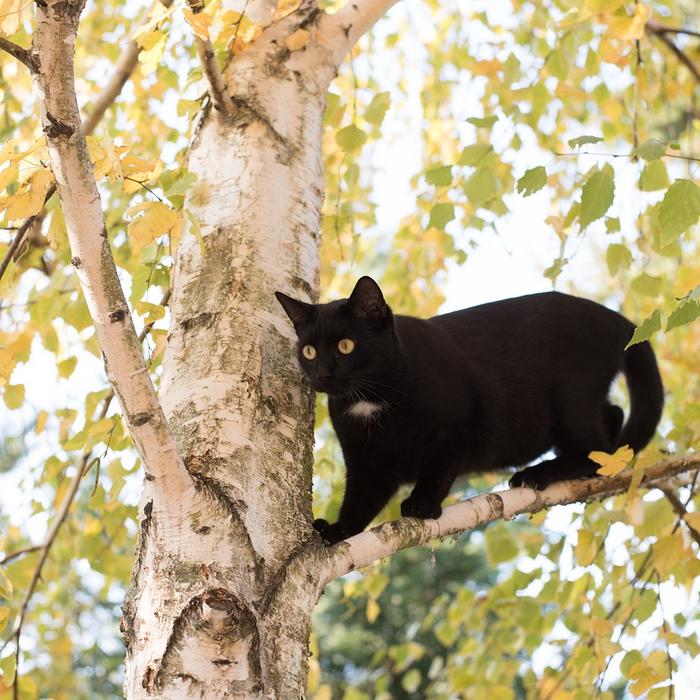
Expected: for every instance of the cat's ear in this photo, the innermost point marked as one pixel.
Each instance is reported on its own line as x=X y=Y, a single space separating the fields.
x=367 y=302
x=300 y=313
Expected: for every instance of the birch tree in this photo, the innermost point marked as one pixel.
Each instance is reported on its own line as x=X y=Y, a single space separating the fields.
x=212 y=408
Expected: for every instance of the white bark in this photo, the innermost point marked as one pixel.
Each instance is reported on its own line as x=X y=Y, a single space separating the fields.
x=225 y=611
x=53 y=46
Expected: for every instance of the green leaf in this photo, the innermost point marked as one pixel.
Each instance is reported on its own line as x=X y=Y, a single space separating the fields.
x=652 y=149
x=486 y=122
x=411 y=680
x=679 y=209
x=618 y=258
x=654 y=177
x=583 y=140
x=481 y=186
x=377 y=108
x=686 y=312
x=647 y=284
x=500 y=544
x=612 y=224
x=532 y=181
x=597 y=195
x=66 y=367
x=558 y=64
x=440 y=177
x=475 y=154
x=8 y=669
x=351 y=138
x=441 y=214
x=646 y=328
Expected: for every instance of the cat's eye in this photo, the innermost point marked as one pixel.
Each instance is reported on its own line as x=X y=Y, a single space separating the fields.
x=309 y=352
x=346 y=346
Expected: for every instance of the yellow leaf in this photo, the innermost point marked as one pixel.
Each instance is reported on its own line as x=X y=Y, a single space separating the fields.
x=9 y=175
x=10 y=15
x=611 y=464
x=4 y=615
x=601 y=627
x=40 y=424
x=373 y=610
x=7 y=364
x=284 y=7
x=92 y=526
x=585 y=547
x=66 y=367
x=154 y=220
x=5 y=585
x=298 y=40
x=693 y=519
x=153 y=46
x=604 y=5
x=629 y=28
x=668 y=551
x=29 y=199
x=199 y=22
x=14 y=395
x=57 y=233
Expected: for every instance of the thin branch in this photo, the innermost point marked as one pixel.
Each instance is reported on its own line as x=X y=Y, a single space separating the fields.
x=355 y=18
x=218 y=92
x=663 y=29
x=680 y=509
x=622 y=155
x=18 y=52
x=45 y=547
x=54 y=40
x=18 y=553
x=655 y=29
x=664 y=624
x=388 y=538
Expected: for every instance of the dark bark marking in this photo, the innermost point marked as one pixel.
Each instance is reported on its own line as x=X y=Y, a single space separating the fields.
x=204 y=320
x=116 y=316
x=76 y=261
x=141 y=418
x=126 y=623
x=57 y=128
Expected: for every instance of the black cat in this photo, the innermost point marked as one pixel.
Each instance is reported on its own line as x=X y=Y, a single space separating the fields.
x=497 y=385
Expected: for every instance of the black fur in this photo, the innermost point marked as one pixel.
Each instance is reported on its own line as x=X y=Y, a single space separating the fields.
x=489 y=387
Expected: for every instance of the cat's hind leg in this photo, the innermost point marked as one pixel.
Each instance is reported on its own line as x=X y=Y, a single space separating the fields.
x=580 y=432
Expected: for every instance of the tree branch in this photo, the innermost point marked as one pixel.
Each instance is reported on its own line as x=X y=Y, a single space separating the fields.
x=18 y=52
x=388 y=538
x=678 y=506
x=663 y=29
x=355 y=18
x=661 y=33
x=218 y=91
x=54 y=39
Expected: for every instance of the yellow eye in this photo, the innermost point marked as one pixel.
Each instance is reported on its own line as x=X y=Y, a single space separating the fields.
x=346 y=346
x=309 y=352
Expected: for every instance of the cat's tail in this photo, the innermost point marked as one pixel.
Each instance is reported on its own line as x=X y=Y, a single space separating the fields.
x=646 y=396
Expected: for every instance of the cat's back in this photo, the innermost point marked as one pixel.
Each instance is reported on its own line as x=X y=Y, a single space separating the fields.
x=553 y=317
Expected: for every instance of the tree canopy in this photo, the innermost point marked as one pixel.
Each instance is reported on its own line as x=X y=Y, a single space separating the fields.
x=441 y=123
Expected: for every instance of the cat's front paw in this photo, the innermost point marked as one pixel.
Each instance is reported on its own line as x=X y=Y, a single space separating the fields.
x=330 y=533
x=416 y=507
x=532 y=478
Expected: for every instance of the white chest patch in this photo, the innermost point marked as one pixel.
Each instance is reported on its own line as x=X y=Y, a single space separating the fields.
x=364 y=409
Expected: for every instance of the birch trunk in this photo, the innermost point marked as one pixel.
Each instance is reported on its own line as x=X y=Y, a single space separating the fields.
x=215 y=609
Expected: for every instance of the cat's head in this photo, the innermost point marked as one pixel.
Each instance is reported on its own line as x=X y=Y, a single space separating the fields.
x=346 y=346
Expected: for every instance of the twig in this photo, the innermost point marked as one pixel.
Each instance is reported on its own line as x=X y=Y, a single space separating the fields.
x=623 y=155
x=680 y=509
x=45 y=546
x=18 y=52
x=657 y=31
x=671 y=689
x=663 y=29
x=18 y=553
x=218 y=92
